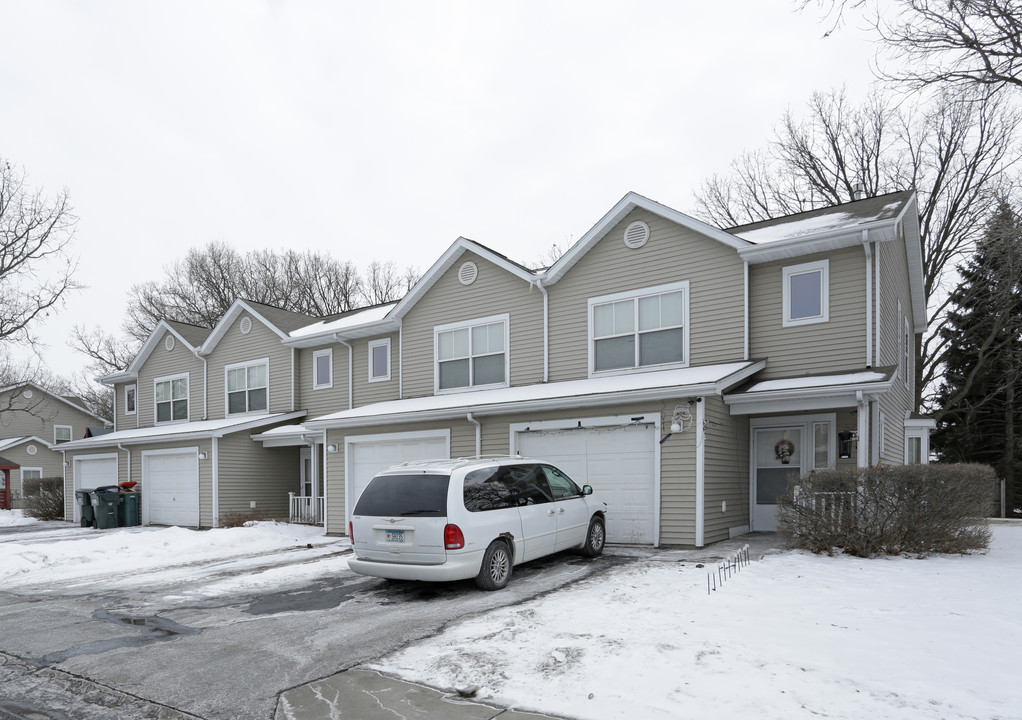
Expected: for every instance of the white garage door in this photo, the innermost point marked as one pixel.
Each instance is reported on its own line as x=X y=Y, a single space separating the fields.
x=368 y=457
x=620 y=465
x=170 y=487
x=91 y=473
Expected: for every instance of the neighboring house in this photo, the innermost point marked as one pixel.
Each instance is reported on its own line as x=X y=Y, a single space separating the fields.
x=34 y=424
x=683 y=370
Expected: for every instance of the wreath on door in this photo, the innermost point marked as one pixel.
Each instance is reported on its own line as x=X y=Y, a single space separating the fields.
x=784 y=449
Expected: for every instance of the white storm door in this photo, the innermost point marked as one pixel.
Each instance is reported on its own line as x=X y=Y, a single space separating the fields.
x=170 y=487
x=778 y=453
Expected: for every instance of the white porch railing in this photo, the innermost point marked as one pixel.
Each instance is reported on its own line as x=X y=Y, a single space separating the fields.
x=307 y=510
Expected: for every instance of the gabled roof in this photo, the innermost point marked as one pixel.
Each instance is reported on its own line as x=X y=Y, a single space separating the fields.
x=279 y=321
x=624 y=206
x=8 y=443
x=75 y=403
x=810 y=392
x=194 y=335
x=362 y=322
x=184 y=333
x=447 y=261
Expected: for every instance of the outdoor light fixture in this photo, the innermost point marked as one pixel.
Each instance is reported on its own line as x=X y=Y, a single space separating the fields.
x=845 y=439
x=332 y=447
x=202 y=455
x=681 y=416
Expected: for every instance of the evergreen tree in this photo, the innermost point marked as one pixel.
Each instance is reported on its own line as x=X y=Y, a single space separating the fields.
x=980 y=398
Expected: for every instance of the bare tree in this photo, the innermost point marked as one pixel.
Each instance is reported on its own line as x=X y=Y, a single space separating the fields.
x=36 y=268
x=383 y=282
x=967 y=42
x=957 y=153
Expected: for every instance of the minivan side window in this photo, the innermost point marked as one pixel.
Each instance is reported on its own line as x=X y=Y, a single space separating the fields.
x=489 y=489
x=530 y=486
x=561 y=485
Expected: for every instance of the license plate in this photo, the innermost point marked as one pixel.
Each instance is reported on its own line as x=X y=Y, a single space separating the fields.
x=395 y=536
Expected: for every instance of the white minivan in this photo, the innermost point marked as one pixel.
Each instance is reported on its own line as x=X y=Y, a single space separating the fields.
x=471 y=518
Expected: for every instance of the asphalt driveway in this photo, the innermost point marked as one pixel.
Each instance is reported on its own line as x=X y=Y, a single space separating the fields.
x=188 y=640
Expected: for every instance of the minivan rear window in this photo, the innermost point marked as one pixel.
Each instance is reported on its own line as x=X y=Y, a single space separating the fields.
x=405 y=495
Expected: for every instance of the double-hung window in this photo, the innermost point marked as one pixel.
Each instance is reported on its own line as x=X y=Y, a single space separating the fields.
x=323 y=369
x=129 y=399
x=247 y=387
x=171 y=399
x=472 y=354
x=806 y=293
x=61 y=433
x=648 y=328
x=379 y=360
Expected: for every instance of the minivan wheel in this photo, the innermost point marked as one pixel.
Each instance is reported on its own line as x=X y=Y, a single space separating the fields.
x=596 y=537
x=496 y=568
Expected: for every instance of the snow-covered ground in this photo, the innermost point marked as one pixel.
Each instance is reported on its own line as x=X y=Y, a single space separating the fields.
x=10 y=518
x=794 y=635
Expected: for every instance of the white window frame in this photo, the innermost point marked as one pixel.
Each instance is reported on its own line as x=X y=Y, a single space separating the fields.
x=882 y=434
x=468 y=325
x=923 y=435
x=635 y=295
x=328 y=353
x=821 y=266
x=29 y=469
x=133 y=389
x=187 y=398
x=237 y=366
x=70 y=433
x=385 y=342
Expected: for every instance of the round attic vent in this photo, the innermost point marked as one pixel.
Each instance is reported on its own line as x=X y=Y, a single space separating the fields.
x=468 y=273
x=246 y=325
x=169 y=342
x=31 y=450
x=27 y=394
x=636 y=234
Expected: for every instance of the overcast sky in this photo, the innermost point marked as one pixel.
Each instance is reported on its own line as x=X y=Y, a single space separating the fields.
x=384 y=130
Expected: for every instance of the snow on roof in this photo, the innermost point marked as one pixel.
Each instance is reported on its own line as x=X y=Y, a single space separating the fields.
x=704 y=379
x=352 y=319
x=817 y=381
x=12 y=442
x=200 y=428
x=824 y=220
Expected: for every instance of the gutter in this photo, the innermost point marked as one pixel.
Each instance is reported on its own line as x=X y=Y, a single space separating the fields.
x=546 y=330
x=700 y=472
x=205 y=390
x=869 y=304
x=479 y=434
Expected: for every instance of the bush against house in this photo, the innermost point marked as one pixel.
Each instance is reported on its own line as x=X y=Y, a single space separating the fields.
x=920 y=509
x=44 y=498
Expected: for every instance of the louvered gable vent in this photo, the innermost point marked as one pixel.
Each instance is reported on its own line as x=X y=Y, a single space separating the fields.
x=636 y=234
x=468 y=273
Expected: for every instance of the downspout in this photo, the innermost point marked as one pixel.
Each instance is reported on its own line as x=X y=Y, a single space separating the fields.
x=121 y=447
x=401 y=361
x=215 y=459
x=546 y=330
x=479 y=435
x=205 y=388
x=876 y=302
x=351 y=371
x=862 y=452
x=292 y=378
x=746 y=309
x=700 y=472
x=869 y=304
x=325 y=484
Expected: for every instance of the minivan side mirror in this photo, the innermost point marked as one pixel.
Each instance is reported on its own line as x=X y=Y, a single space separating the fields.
x=587 y=489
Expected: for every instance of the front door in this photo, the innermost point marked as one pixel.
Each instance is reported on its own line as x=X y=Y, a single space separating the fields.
x=778 y=454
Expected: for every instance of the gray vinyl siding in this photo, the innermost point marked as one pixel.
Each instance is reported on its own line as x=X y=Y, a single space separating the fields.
x=234 y=347
x=49 y=462
x=250 y=473
x=677 y=484
x=322 y=401
x=495 y=292
x=833 y=346
x=892 y=268
x=163 y=363
x=726 y=475
x=367 y=393
x=38 y=415
x=672 y=254
x=123 y=420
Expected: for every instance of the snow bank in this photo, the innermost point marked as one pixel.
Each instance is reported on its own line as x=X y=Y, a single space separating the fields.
x=10 y=518
x=792 y=636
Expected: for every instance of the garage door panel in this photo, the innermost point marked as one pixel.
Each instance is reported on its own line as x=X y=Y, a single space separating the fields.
x=371 y=457
x=170 y=485
x=618 y=462
x=91 y=473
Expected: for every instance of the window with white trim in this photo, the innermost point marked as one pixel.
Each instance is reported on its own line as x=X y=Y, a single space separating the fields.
x=806 y=293
x=645 y=328
x=30 y=473
x=62 y=433
x=171 y=398
x=323 y=369
x=472 y=354
x=882 y=434
x=379 y=360
x=130 y=392
x=247 y=387
x=914 y=450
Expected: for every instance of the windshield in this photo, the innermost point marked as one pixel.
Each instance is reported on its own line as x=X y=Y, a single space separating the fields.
x=405 y=496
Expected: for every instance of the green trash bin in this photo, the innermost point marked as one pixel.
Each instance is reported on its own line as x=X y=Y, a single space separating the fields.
x=127 y=509
x=104 y=504
x=84 y=498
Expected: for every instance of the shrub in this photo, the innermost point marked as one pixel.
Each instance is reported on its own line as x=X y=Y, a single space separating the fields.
x=43 y=498
x=240 y=519
x=919 y=509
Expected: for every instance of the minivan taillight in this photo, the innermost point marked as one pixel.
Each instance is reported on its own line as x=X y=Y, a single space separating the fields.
x=351 y=534
x=454 y=539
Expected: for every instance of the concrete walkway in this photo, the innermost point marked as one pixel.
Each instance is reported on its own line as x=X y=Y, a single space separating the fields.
x=369 y=695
